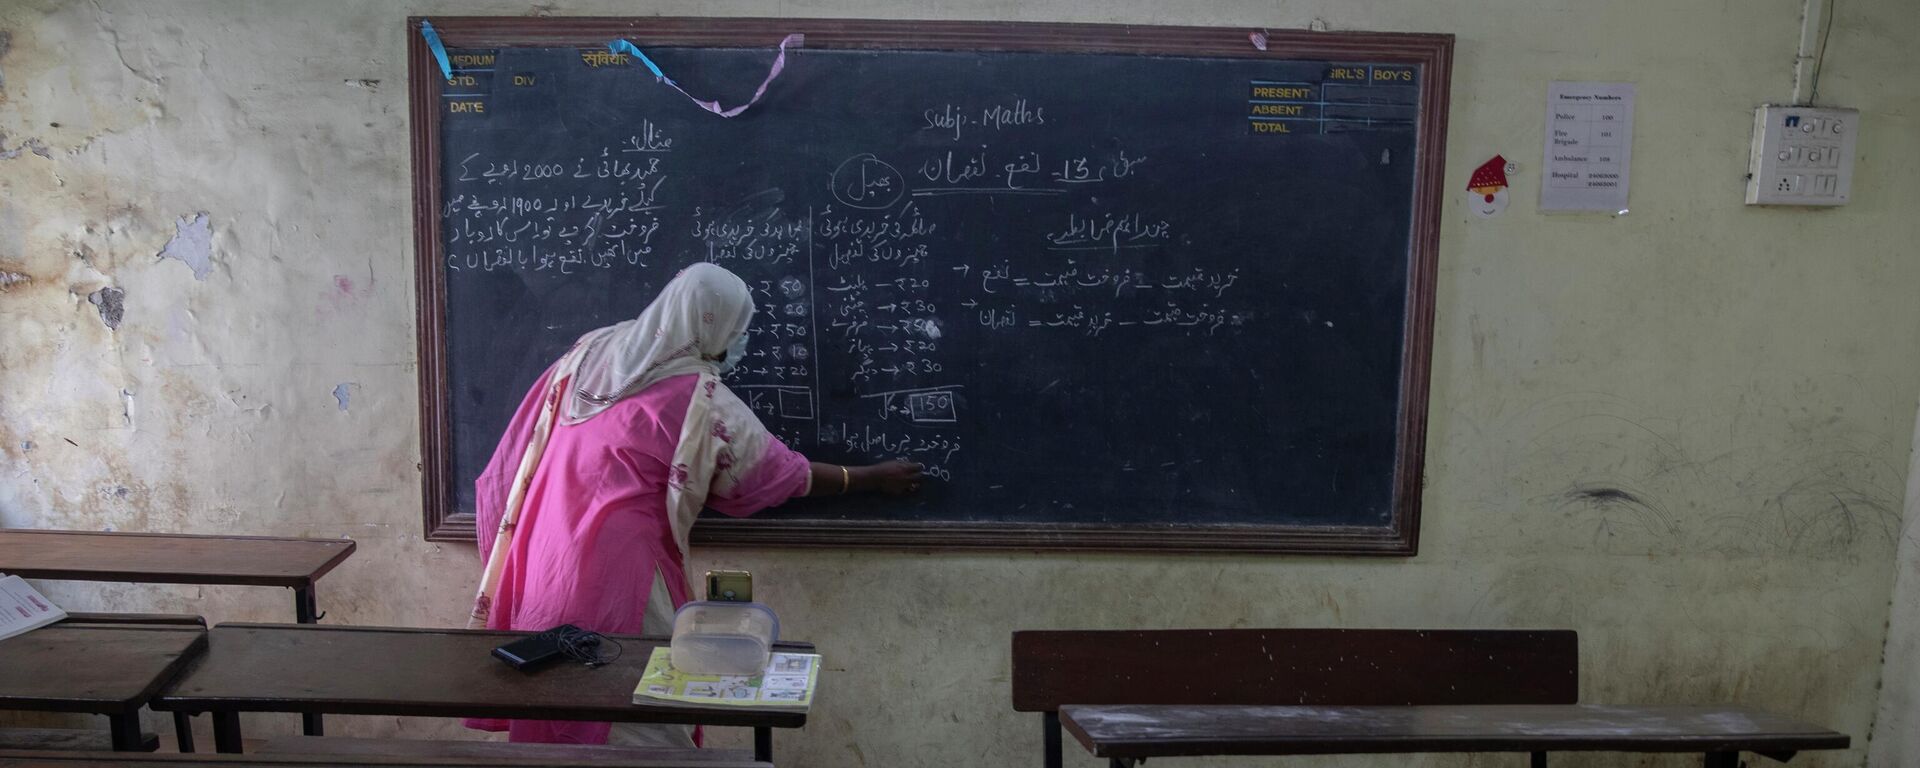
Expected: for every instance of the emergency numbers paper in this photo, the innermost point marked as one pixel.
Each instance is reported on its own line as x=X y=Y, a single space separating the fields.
x=1589 y=147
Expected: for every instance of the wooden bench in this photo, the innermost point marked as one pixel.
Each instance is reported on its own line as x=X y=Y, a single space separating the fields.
x=17 y=759
x=85 y=740
x=1129 y=734
x=182 y=721
x=1356 y=667
x=105 y=669
x=136 y=619
x=174 y=558
x=492 y=750
x=67 y=740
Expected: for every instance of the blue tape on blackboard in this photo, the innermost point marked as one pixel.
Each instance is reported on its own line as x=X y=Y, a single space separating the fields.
x=622 y=46
x=439 y=51
x=779 y=63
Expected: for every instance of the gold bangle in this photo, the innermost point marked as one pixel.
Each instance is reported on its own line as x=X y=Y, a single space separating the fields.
x=846 y=480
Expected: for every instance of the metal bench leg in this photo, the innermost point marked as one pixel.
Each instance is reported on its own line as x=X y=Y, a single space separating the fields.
x=226 y=733
x=183 y=732
x=306 y=610
x=126 y=732
x=1723 y=760
x=763 y=744
x=1051 y=740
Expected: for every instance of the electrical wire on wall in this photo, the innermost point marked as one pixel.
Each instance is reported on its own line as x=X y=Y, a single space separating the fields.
x=1820 y=59
x=1816 y=28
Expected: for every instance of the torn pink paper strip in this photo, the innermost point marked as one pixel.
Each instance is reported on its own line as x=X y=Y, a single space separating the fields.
x=779 y=63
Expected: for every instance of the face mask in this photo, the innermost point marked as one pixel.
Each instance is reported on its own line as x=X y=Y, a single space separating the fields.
x=736 y=352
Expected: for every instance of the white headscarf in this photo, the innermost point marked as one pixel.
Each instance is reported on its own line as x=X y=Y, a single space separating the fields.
x=693 y=320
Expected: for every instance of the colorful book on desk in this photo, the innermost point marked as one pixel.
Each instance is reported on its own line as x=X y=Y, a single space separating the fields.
x=787 y=683
x=23 y=608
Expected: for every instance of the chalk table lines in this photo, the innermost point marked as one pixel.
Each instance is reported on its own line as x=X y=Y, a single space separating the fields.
x=790 y=401
x=984 y=191
x=912 y=390
x=925 y=405
x=813 y=321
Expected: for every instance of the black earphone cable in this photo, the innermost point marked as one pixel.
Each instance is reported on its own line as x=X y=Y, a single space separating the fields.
x=586 y=647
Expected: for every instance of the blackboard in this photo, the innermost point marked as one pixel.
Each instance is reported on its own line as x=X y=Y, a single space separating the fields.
x=1115 y=287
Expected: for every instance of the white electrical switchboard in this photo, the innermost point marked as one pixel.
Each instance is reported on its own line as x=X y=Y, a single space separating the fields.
x=1802 y=156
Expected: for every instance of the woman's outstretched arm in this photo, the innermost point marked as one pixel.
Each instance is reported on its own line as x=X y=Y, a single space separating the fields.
x=893 y=478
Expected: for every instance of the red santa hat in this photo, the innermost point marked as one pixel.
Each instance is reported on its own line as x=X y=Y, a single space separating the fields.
x=1492 y=173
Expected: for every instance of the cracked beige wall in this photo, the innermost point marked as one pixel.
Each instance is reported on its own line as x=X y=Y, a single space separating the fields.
x=1683 y=432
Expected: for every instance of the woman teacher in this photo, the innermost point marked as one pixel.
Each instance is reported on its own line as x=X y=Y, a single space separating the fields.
x=585 y=508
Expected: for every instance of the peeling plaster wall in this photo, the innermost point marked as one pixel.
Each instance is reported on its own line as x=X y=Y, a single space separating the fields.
x=1683 y=432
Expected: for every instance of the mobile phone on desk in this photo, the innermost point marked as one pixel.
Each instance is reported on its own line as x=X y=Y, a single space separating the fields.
x=534 y=651
x=730 y=586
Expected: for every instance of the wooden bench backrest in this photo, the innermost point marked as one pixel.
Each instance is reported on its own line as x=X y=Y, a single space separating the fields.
x=136 y=619
x=351 y=750
x=29 y=759
x=1352 y=667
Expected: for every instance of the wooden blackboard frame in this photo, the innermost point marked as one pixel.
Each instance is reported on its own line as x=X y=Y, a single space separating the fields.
x=1434 y=52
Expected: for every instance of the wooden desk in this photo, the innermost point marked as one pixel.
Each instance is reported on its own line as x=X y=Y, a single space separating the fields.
x=182 y=725
x=104 y=670
x=425 y=673
x=1053 y=669
x=34 y=759
x=1126 y=734
x=166 y=558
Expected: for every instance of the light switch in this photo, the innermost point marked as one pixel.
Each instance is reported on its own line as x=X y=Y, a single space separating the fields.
x=1801 y=156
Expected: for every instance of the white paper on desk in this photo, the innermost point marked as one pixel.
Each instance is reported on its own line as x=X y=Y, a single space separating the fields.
x=23 y=608
x=1589 y=147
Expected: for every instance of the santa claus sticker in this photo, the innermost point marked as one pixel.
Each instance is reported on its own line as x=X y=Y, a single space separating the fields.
x=1487 y=190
